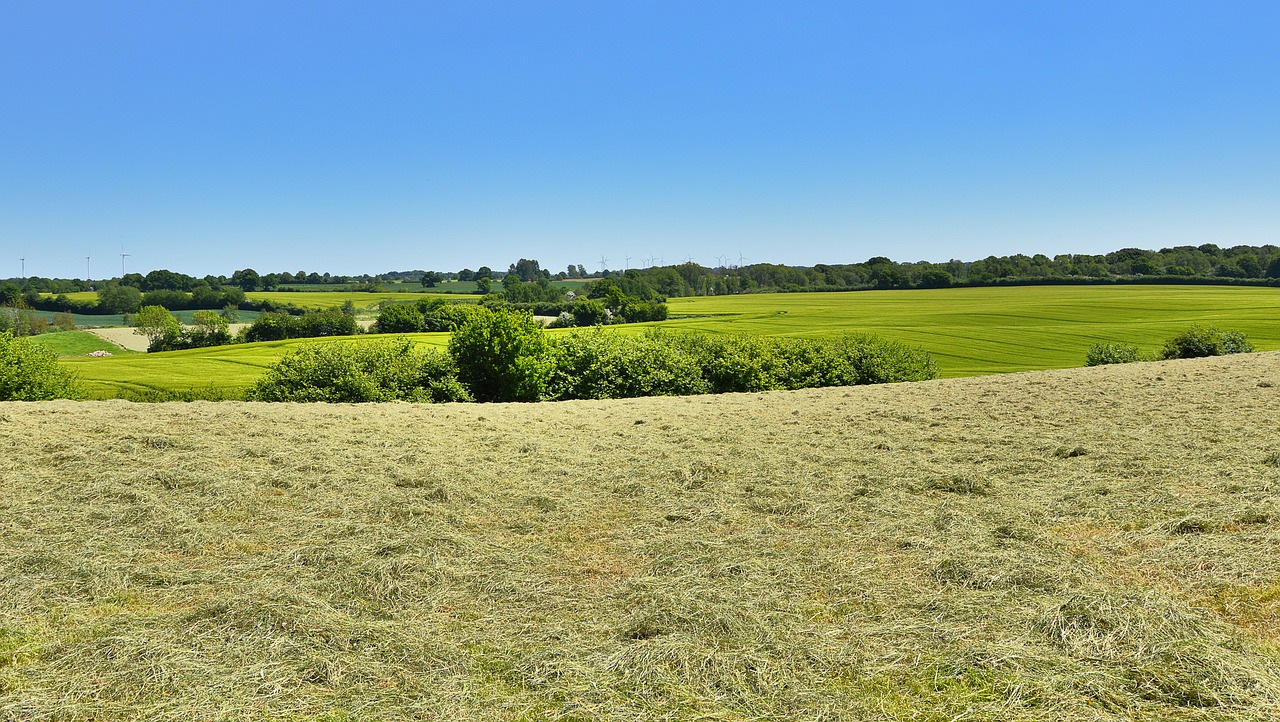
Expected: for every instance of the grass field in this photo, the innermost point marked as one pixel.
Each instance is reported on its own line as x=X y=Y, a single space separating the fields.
x=334 y=299
x=968 y=331
x=991 y=330
x=1078 y=545
x=77 y=343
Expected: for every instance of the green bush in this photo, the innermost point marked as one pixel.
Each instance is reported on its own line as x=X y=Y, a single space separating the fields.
x=312 y=324
x=387 y=370
x=596 y=364
x=30 y=372
x=502 y=355
x=1201 y=341
x=449 y=316
x=1101 y=354
x=399 y=318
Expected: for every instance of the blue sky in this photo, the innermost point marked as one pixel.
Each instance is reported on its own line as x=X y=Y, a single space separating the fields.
x=373 y=136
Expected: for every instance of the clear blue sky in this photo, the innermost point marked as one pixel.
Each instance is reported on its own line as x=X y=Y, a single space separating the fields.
x=207 y=136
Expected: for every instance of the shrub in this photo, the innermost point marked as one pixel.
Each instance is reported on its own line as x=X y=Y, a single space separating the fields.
x=596 y=364
x=1101 y=354
x=589 y=312
x=1201 y=341
x=318 y=324
x=449 y=316
x=399 y=318
x=30 y=372
x=502 y=355
x=360 y=372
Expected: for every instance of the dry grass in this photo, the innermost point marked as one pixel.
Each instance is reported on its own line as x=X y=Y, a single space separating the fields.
x=1085 y=544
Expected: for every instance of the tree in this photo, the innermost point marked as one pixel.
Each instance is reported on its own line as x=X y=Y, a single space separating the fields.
x=209 y=328
x=159 y=326
x=115 y=298
x=30 y=372
x=935 y=278
x=502 y=355
x=484 y=284
x=247 y=279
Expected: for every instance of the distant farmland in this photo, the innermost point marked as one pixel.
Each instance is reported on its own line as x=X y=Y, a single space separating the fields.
x=973 y=331
x=969 y=331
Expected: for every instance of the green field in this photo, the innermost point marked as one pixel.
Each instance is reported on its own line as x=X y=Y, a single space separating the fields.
x=77 y=343
x=972 y=331
x=969 y=331
x=334 y=299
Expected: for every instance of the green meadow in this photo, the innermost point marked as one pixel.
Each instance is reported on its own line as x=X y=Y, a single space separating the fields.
x=77 y=343
x=973 y=331
x=969 y=331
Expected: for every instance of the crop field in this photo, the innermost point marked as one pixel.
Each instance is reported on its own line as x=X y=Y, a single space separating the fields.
x=1080 y=544
x=218 y=372
x=77 y=343
x=332 y=299
x=991 y=330
x=968 y=331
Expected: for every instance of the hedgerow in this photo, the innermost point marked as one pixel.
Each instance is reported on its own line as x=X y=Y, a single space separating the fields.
x=504 y=355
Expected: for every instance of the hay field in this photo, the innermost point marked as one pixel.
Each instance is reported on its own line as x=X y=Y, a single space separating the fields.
x=1083 y=544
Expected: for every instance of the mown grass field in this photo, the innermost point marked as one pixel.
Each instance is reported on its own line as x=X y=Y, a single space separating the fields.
x=968 y=331
x=1082 y=544
x=992 y=330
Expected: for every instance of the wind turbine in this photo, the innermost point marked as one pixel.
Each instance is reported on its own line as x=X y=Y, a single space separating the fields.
x=123 y=255
x=628 y=266
x=24 y=264
x=603 y=262
x=87 y=275
x=741 y=258
x=720 y=262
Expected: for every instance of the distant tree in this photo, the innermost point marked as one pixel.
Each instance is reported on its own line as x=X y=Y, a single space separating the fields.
x=117 y=298
x=484 y=284
x=159 y=326
x=247 y=279
x=466 y=274
x=208 y=328
x=484 y=272
x=936 y=278
x=431 y=278
x=527 y=270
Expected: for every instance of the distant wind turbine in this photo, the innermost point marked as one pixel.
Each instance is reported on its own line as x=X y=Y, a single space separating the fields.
x=24 y=264
x=628 y=264
x=603 y=262
x=123 y=256
x=88 y=276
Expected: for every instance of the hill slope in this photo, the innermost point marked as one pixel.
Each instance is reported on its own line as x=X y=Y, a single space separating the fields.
x=1078 y=544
